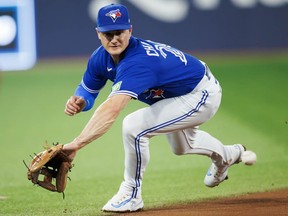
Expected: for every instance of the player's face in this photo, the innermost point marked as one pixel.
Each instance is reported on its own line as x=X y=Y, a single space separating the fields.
x=115 y=42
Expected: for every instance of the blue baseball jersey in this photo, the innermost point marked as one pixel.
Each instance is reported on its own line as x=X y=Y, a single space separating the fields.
x=148 y=71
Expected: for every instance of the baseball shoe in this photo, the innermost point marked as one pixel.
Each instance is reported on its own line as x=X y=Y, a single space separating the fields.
x=123 y=202
x=217 y=174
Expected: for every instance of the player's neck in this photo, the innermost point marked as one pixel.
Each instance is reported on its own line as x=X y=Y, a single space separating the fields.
x=115 y=58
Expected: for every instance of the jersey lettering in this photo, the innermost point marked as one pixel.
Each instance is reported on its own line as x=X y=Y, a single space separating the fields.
x=152 y=51
x=176 y=52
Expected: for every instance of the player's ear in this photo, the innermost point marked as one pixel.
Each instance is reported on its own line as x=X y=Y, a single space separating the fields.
x=130 y=30
x=98 y=33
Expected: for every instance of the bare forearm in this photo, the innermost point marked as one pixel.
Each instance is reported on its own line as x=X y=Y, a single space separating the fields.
x=101 y=121
x=99 y=124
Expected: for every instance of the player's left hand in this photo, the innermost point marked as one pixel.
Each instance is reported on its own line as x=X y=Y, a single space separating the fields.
x=74 y=105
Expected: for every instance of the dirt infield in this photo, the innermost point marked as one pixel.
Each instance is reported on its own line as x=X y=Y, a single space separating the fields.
x=268 y=203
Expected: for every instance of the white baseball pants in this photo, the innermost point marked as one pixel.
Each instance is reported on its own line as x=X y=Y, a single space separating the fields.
x=178 y=118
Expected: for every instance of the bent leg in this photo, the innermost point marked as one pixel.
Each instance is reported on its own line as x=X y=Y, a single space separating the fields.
x=163 y=117
x=178 y=117
x=195 y=141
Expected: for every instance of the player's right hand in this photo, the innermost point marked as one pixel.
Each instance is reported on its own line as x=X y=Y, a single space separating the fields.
x=74 y=105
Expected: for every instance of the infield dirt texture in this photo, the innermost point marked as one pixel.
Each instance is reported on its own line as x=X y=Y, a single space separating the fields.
x=258 y=204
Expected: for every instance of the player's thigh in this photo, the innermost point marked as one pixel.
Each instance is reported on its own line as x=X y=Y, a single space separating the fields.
x=169 y=115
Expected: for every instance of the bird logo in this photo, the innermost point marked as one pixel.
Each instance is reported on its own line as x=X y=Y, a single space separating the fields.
x=156 y=93
x=114 y=14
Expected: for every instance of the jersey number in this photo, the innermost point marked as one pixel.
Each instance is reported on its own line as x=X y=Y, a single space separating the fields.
x=162 y=49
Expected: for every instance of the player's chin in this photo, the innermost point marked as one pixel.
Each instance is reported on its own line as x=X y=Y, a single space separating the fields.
x=115 y=50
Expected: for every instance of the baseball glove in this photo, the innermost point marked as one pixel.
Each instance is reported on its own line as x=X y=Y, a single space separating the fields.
x=53 y=165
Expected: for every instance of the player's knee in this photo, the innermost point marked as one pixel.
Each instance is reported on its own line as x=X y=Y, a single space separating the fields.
x=129 y=126
x=126 y=126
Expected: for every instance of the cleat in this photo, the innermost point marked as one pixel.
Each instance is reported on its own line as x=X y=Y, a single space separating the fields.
x=123 y=202
x=217 y=174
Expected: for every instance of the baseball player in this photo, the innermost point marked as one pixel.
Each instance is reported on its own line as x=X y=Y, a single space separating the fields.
x=180 y=91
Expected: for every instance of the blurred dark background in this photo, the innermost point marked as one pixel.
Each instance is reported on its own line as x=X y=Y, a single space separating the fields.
x=67 y=28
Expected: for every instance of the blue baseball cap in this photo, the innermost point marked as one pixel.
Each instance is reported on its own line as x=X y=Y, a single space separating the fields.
x=113 y=17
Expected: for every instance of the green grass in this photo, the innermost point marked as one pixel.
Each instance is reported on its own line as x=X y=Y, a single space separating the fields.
x=253 y=112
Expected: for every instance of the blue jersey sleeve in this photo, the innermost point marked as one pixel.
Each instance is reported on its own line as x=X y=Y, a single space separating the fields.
x=92 y=82
x=133 y=79
x=94 y=79
x=88 y=97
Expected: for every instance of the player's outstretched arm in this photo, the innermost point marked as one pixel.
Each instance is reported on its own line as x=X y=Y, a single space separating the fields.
x=101 y=121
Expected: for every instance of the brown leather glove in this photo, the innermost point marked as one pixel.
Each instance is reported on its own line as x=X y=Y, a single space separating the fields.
x=49 y=165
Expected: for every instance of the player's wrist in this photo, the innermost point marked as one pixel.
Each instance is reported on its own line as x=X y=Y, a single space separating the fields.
x=77 y=144
x=71 y=147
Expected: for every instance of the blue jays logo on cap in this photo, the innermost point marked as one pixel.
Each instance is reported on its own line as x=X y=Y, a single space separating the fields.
x=114 y=14
x=113 y=17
